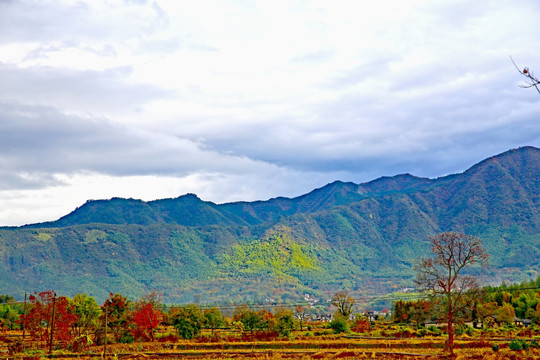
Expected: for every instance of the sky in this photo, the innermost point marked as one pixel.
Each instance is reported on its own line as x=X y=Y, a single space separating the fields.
x=249 y=100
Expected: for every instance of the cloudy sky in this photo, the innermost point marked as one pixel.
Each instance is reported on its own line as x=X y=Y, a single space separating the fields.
x=247 y=100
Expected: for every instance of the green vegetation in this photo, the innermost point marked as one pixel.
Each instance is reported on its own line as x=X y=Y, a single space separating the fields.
x=359 y=238
x=277 y=255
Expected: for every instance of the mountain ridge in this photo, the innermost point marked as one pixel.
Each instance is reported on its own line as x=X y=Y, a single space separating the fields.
x=379 y=186
x=361 y=238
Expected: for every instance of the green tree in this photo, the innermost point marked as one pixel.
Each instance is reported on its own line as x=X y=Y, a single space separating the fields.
x=9 y=316
x=251 y=320
x=284 y=321
x=87 y=311
x=6 y=299
x=442 y=274
x=213 y=319
x=339 y=323
x=188 y=320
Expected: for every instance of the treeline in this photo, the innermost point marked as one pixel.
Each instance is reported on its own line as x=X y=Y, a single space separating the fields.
x=493 y=306
x=121 y=320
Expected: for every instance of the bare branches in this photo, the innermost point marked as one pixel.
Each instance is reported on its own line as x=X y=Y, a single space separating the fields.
x=442 y=274
x=532 y=80
x=344 y=303
x=452 y=252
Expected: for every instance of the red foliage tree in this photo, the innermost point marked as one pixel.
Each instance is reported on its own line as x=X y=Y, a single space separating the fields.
x=116 y=316
x=146 y=318
x=39 y=319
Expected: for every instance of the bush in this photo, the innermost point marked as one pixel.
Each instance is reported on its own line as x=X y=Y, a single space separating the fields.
x=464 y=330
x=126 y=338
x=495 y=347
x=517 y=345
x=434 y=330
x=339 y=324
x=361 y=326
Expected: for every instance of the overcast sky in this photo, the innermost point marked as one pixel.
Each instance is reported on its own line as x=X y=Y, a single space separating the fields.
x=248 y=100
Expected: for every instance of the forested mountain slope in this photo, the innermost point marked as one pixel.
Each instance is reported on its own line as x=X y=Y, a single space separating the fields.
x=362 y=238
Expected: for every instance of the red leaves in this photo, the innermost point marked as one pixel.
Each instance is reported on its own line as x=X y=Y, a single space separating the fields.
x=40 y=317
x=146 y=318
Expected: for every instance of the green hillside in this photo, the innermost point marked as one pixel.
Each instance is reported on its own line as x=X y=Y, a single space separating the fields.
x=361 y=238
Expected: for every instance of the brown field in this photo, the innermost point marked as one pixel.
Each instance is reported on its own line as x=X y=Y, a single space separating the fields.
x=299 y=347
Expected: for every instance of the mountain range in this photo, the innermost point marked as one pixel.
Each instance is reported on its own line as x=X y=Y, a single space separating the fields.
x=362 y=238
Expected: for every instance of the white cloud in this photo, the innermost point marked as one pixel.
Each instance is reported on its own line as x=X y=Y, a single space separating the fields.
x=247 y=100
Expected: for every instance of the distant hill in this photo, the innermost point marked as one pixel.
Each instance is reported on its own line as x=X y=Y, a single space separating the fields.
x=362 y=238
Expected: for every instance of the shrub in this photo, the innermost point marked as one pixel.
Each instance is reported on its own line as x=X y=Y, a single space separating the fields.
x=517 y=345
x=339 y=324
x=126 y=338
x=361 y=326
x=495 y=347
x=464 y=330
x=434 y=330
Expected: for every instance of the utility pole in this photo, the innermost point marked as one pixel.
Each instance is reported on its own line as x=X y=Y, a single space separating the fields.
x=105 y=340
x=24 y=313
x=52 y=325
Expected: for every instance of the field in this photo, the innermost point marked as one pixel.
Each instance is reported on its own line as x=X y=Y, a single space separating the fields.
x=300 y=345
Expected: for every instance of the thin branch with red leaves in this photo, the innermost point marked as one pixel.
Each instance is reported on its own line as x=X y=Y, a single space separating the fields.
x=532 y=80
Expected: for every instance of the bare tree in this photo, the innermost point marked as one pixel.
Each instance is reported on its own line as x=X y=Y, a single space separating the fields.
x=301 y=314
x=532 y=80
x=441 y=274
x=344 y=303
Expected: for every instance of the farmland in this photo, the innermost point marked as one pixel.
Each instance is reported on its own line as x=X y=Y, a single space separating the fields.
x=299 y=345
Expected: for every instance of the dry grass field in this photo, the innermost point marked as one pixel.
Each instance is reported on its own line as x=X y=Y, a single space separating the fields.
x=295 y=347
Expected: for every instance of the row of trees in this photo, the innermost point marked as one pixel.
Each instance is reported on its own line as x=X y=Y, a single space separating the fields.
x=119 y=319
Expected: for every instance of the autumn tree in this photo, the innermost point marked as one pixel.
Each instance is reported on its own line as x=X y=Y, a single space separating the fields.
x=344 y=303
x=146 y=318
x=443 y=275
x=116 y=318
x=505 y=314
x=412 y=311
x=301 y=314
x=485 y=310
x=49 y=313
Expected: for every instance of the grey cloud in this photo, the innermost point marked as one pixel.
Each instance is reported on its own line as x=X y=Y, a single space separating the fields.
x=454 y=121
x=37 y=142
x=83 y=91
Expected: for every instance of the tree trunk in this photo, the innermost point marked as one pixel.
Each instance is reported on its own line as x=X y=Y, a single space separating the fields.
x=450 y=345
